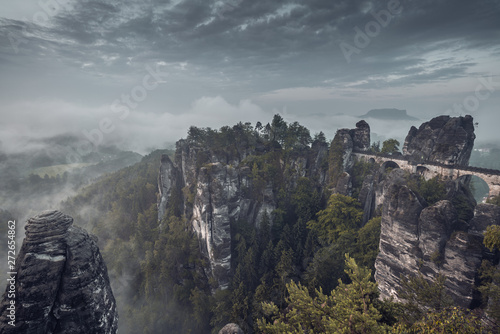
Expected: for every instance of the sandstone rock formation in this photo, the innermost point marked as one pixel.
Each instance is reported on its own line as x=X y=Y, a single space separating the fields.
x=231 y=329
x=444 y=139
x=346 y=142
x=417 y=238
x=344 y=137
x=399 y=233
x=213 y=189
x=62 y=285
x=361 y=136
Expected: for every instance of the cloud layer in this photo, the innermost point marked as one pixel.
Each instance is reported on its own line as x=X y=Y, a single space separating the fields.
x=65 y=62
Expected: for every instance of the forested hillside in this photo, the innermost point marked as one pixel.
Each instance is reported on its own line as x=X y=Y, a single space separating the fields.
x=307 y=263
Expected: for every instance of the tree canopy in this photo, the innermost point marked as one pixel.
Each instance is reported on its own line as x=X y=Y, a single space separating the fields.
x=390 y=146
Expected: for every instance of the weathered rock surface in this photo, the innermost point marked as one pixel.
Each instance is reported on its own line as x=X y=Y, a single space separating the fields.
x=435 y=225
x=361 y=136
x=350 y=140
x=214 y=189
x=444 y=139
x=168 y=183
x=62 y=285
x=417 y=238
x=345 y=138
x=231 y=329
x=218 y=203
x=399 y=253
x=367 y=197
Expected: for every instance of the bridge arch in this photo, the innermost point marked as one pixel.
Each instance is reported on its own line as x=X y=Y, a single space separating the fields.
x=424 y=171
x=430 y=169
x=477 y=185
x=390 y=164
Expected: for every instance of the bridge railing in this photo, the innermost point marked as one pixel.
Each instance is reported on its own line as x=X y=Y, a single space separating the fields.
x=433 y=163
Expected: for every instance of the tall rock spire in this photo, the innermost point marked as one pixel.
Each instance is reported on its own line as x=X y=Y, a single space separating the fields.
x=61 y=283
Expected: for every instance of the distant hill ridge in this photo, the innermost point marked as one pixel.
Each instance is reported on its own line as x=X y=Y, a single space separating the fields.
x=388 y=113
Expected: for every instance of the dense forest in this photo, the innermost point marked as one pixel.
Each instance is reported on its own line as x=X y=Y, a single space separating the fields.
x=309 y=271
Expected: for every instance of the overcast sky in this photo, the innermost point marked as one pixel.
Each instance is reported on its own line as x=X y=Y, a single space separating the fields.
x=139 y=72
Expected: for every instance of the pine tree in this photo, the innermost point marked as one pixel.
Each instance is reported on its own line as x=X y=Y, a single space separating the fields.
x=349 y=309
x=342 y=215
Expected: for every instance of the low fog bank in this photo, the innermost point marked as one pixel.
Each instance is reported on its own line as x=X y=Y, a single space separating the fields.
x=38 y=177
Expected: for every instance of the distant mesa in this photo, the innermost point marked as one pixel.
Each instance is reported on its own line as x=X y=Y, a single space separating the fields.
x=389 y=114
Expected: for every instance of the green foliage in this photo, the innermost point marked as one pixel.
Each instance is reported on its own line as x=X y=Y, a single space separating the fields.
x=390 y=146
x=448 y=320
x=296 y=136
x=490 y=290
x=375 y=148
x=335 y=160
x=325 y=268
x=422 y=295
x=231 y=141
x=305 y=199
x=366 y=247
x=464 y=207
x=492 y=237
x=432 y=190
x=340 y=216
x=349 y=309
x=359 y=172
x=319 y=138
x=338 y=231
x=266 y=170
x=161 y=268
x=278 y=129
x=304 y=240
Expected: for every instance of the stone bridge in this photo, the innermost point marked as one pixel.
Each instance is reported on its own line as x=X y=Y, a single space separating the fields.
x=430 y=169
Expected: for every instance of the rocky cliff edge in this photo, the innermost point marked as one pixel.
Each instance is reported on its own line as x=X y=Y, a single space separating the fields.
x=61 y=285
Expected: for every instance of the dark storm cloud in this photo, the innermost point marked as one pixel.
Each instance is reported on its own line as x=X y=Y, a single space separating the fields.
x=270 y=40
x=282 y=56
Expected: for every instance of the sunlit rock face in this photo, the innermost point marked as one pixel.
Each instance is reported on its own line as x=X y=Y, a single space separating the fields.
x=444 y=139
x=62 y=285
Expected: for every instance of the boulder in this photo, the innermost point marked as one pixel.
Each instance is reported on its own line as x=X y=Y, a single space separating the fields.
x=231 y=329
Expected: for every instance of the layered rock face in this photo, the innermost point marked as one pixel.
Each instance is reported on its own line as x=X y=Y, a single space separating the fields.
x=444 y=139
x=214 y=189
x=435 y=239
x=218 y=203
x=350 y=140
x=399 y=233
x=361 y=136
x=417 y=238
x=62 y=285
